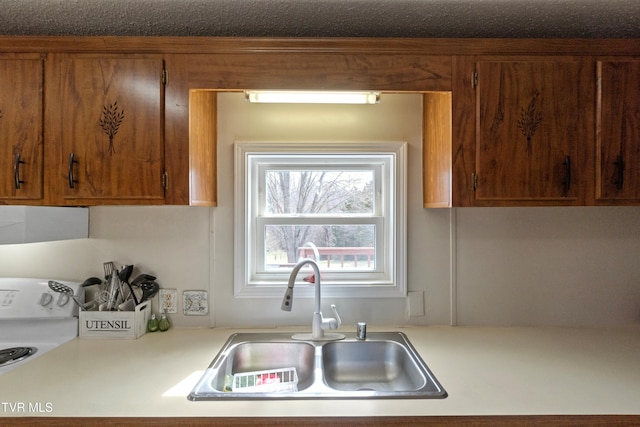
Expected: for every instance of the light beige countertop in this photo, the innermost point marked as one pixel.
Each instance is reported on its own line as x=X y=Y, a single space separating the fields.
x=486 y=371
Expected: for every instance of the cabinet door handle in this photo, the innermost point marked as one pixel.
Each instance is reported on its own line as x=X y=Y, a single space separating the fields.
x=618 y=179
x=566 y=182
x=16 y=171
x=72 y=181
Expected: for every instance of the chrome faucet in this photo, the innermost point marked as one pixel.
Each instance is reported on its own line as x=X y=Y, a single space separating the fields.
x=319 y=324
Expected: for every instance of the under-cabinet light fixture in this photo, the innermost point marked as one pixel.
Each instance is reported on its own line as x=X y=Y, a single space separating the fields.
x=311 y=97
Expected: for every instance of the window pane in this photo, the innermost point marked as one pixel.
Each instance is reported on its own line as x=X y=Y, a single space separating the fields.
x=341 y=247
x=291 y=192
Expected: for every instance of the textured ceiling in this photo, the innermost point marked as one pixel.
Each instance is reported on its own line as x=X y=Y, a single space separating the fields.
x=324 y=18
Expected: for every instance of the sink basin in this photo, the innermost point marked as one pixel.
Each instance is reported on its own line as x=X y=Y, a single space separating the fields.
x=385 y=365
x=371 y=365
x=267 y=356
x=256 y=353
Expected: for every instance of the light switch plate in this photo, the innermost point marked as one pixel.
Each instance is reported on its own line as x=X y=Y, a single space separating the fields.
x=168 y=300
x=195 y=303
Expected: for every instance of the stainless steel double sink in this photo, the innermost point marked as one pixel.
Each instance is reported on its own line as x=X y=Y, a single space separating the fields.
x=385 y=365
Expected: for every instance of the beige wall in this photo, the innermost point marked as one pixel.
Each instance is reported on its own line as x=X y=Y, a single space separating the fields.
x=396 y=118
x=511 y=266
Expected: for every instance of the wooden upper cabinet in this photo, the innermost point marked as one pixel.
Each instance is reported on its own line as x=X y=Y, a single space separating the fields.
x=618 y=132
x=21 y=149
x=104 y=129
x=532 y=138
x=195 y=79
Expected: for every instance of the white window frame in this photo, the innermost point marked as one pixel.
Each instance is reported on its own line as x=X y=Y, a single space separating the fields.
x=388 y=279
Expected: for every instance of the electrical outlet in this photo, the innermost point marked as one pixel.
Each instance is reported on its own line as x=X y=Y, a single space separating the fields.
x=168 y=300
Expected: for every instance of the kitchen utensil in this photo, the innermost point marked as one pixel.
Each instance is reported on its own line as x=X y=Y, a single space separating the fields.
x=149 y=290
x=142 y=278
x=120 y=294
x=91 y=281
x=137 y=282
x=64 y=289
x=124 y=275
x=128 y=305
x=108 y=270
x=113 y=289
x=102 y=297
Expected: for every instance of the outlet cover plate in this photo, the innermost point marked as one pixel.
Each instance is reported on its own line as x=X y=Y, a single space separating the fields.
x=195 y=303
x=168 y=301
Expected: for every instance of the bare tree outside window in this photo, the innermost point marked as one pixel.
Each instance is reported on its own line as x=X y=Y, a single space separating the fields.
x=347 y=198
x=318 y=193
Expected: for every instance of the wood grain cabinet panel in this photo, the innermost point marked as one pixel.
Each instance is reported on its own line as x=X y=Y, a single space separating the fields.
x=522 y=132
x=436 y=150
x=21 y=146
x=105 y=118
x=618 y=132
x=532 y=131
x=194 y=80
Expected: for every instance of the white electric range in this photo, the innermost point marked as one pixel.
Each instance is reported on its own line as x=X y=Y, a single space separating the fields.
x=34 y=319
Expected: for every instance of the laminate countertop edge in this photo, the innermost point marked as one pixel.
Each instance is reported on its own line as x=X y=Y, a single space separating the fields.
x=497 y=372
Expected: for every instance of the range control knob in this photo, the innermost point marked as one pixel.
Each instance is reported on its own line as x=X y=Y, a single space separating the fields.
x=63 y=299
x=46 y=299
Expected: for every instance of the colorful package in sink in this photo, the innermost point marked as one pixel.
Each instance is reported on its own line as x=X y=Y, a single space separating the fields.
x=273 y=380
x=268 y=378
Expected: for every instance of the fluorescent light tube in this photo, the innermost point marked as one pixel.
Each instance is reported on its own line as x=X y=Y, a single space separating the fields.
x=311 y=97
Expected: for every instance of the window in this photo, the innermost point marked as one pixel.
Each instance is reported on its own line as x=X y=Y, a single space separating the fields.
x=345 y=198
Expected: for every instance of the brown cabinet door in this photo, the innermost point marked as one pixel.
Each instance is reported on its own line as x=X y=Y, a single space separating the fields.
x=618 y=132
x=105 y=128
x=530 y=121
x=21 y=150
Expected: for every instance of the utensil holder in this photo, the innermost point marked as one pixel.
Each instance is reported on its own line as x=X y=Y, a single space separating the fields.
x=115 y=324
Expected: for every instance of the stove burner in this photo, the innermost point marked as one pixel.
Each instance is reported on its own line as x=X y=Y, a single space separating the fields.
x=15 y=354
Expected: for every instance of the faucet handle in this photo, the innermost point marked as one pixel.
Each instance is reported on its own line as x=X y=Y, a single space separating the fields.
x=335 y=313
